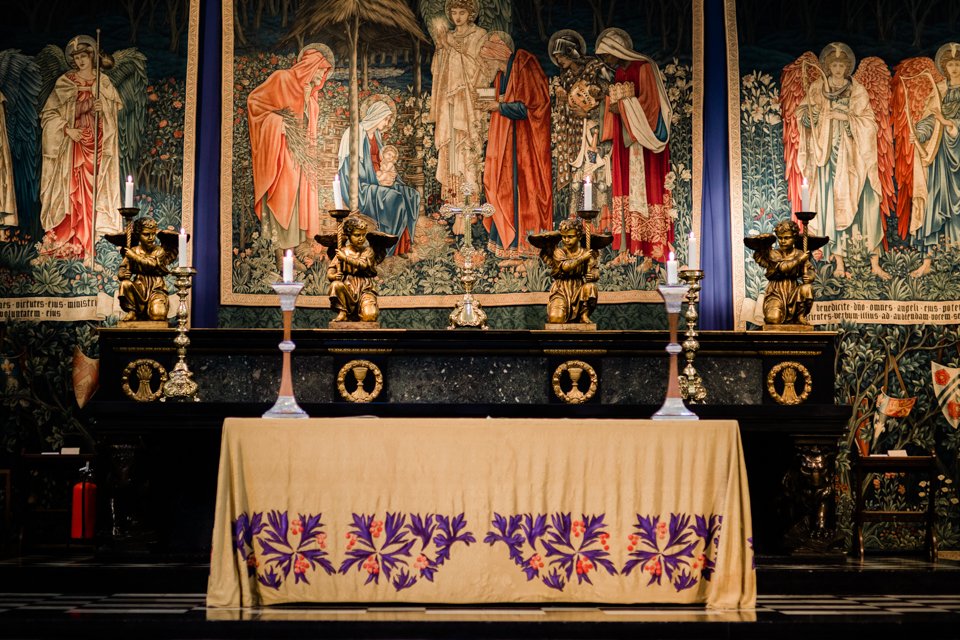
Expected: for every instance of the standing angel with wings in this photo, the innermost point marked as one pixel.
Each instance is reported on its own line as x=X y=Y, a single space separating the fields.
x=926 y=117
x=836 y=135
x=92 y=123
x=19 y=134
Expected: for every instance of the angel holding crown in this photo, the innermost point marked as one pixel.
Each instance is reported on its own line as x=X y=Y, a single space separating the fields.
x=926 y=109
x=837 y=137
x=84 y=138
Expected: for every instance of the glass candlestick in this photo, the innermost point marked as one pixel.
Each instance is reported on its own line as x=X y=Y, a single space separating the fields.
x=180 y=385
x=673 y=407
x=286 y=405
x=691 y=384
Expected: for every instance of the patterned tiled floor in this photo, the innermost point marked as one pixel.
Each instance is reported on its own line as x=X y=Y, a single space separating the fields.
x=192 y=606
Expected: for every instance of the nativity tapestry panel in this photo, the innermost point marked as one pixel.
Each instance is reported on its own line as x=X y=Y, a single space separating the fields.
x=411 y=113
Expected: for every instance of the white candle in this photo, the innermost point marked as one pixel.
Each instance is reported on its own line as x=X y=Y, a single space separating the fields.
x=693 y=252
x=288 y=266
x=337 y=194
x=182 y=248
x=128 y=194
x=672 y=269
x=587 y=194
x=804 y=196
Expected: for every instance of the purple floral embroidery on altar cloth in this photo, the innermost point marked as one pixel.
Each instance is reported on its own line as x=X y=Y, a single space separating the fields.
x=661 y=549
x=569 y=545
x=394 y=555
x=285 y=546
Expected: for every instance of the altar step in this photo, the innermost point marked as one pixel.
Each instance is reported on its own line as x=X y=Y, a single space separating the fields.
x=79 y=573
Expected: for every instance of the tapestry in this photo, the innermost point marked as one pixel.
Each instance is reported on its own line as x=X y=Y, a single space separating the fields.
x=853 y=114
x=97 y=113
x=497 y=108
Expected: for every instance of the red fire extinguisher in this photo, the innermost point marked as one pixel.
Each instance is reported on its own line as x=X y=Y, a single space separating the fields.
x=84 y=509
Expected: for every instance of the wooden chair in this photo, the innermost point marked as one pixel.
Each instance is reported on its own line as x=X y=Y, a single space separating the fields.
x=862 y=466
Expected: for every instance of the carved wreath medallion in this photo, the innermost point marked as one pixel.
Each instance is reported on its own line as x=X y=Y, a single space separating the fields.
x=145 y=369
x=574 y=370
x=357 y=370
x=787 y=371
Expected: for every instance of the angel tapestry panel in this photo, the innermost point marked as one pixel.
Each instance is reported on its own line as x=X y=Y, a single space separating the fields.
x=79 y=119
x=425 y=108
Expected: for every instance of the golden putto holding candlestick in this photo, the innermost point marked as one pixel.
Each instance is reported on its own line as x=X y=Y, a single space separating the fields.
x=147 y=254
x=789 y=295
x=355 y=251
x=573 y=257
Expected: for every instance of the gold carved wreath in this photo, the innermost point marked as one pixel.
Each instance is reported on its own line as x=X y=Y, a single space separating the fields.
x=788 y=370
x=359 y=370
x=574 y=369
x=144 y=368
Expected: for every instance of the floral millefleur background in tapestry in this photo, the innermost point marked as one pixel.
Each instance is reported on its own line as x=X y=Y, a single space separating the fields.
x=418 y=288
x=896 y=257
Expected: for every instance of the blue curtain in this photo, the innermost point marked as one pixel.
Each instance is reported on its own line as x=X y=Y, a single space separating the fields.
x=716 y=310
x=716 y=297
x=206 y=197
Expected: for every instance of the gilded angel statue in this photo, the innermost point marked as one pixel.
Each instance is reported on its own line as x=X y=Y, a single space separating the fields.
x=354 y=255
x=574 y=267
x=837 y=136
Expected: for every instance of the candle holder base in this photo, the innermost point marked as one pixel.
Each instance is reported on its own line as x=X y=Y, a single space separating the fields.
x=285 y=407
x=468 y=314
x=674 y=409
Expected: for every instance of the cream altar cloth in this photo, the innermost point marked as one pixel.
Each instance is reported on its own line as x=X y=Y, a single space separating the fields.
x=481 y=511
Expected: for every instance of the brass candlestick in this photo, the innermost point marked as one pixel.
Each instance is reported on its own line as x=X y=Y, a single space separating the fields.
x=180 y=385
x=587 y=216
x=673 y=407
x=691 y=385
x=805 y=217
x=128 y=214
x=286 y=405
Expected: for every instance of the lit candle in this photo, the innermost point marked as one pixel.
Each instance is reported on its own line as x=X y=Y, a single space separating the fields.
x=693 y=252
x=182 y=248
x=587 y=194
x=337 y=194
x=672 y=269
x=288 y=266
x=128 y=194
x=804 y=196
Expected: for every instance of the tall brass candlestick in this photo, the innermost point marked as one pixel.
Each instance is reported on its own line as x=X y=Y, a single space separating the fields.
x=673 y=407
x=286 y=405
x=180 y=385
x=691 y=384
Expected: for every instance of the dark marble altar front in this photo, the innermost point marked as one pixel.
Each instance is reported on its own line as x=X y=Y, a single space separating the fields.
x=459 y=373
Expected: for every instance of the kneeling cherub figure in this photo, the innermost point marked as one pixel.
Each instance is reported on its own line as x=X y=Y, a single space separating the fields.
x=353 y=266
x=574 y=268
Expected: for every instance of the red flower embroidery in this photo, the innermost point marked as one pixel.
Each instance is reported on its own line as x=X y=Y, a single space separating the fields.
x=941 y=377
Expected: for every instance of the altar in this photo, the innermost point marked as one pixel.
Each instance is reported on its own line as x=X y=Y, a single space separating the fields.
x=481 y=511
x=448 y=375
